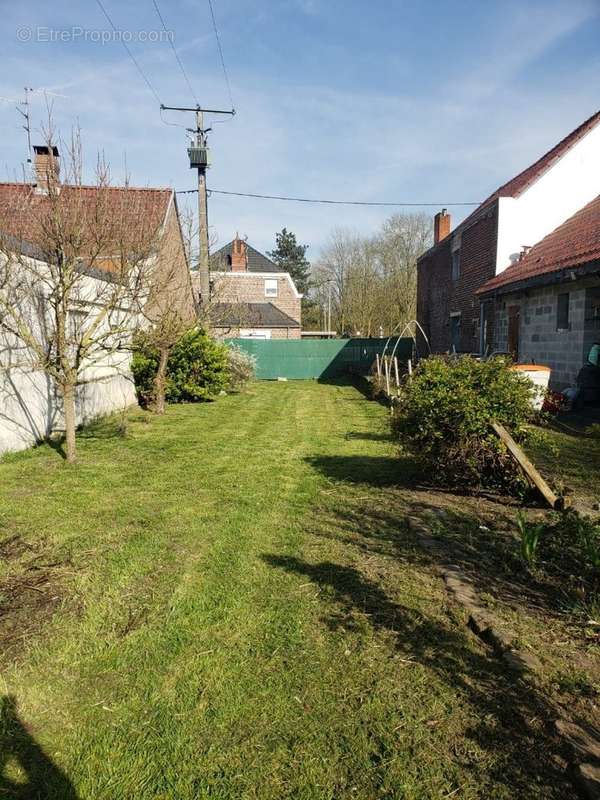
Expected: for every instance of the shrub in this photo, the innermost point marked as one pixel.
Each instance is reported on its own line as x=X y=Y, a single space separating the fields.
x=444 y=413
x=197 y=369
x=242 y=367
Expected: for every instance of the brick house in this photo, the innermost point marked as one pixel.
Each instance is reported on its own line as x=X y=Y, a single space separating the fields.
x=546 y=306
x=251 y=297
x=517 y=215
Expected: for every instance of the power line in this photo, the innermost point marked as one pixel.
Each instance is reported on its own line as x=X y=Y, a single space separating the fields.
x=129 y=53
x=218 y=38
x=327 y=202
x=170 y=38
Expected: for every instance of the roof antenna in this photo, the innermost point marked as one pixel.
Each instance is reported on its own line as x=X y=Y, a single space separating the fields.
x=25 y=115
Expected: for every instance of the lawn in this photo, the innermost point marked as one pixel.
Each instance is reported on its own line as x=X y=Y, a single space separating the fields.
x=227 y=602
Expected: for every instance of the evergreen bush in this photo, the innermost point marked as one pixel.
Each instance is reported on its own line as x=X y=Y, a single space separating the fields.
x=197 y=368
x=444 y=413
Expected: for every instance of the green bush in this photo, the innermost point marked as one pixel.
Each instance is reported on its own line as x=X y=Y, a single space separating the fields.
x=444 y=413
x=197 y=369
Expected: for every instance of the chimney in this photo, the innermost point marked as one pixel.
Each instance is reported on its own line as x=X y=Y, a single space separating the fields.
x=47 y=167
x=441 y=225
x=239 y=255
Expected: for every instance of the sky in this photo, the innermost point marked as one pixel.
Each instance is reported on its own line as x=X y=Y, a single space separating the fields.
x=388 y=101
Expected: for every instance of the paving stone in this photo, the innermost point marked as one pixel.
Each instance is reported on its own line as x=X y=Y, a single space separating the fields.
x=583 y=743
x=521 y=661
x=480 y=620
x=587 y=778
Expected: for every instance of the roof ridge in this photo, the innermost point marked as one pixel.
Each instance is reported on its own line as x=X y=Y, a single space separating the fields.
x=31 y=185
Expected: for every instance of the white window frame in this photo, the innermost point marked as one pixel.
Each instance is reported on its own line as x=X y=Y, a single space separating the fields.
x=255 y=333
x=271 y=287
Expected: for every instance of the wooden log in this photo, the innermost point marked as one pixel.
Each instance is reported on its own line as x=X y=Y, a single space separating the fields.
x=553 y=500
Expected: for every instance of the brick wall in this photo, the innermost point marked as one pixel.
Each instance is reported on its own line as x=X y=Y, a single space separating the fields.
x=438 y=295
x=250 y=288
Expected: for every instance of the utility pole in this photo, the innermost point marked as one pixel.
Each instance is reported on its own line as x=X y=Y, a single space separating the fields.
x=200 y=160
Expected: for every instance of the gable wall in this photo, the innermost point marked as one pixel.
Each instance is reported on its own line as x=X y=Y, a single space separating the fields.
x=249 y=287
x=438 y=295
x=567 y=186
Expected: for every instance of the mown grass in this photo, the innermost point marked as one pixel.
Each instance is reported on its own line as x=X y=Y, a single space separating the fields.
x=231 y=606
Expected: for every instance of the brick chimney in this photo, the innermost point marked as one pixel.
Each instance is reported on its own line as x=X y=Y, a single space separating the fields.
x=239 y=255
x=441 y=225
x=47 y=167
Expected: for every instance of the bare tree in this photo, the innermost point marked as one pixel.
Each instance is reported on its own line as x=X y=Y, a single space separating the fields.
x=73 y=275
x=165 y=298
x=374 y=278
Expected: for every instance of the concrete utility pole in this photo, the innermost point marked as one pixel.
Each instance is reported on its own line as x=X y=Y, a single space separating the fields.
x=200 y=160
x=203 y=265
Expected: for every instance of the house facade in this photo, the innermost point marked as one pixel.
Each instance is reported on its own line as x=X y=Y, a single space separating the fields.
x=546 y=306
x=29 y=401
x=251 y=297
x=510 y=221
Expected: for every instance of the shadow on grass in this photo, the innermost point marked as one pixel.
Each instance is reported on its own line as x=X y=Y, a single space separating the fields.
x=481 y=542
x=522 y=749
x=44 y=778
x=370 y=436
x=56 y=444
x=373 y=470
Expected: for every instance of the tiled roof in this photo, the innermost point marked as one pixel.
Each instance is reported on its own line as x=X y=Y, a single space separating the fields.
x=257 y=262
x=252 y=315
x=24 y=211
x=515 y=186
x=574 y=243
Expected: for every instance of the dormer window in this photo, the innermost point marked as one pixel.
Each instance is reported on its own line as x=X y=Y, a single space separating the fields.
x=271 y=287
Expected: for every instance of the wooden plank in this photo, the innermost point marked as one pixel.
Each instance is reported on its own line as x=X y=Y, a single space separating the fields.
x=528 y=468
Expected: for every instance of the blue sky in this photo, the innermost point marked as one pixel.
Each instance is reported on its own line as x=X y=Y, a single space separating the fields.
x=387 y=100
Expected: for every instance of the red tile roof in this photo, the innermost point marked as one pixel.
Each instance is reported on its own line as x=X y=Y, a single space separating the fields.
x=23 y=210
x=524 y=179
x=574 y=243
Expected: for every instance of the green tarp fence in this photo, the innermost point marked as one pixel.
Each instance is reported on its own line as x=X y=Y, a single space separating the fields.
x=299 y=359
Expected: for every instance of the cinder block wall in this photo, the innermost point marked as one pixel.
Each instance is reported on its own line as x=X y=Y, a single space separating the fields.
x=564 y=351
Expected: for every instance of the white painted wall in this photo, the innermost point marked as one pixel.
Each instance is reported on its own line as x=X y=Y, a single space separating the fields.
x=30 y=407
x=567 y=186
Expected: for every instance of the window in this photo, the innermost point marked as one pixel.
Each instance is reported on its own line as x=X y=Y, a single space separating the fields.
x=455 y=265
x=271 y=287
x=455 y=332
x=562 y=312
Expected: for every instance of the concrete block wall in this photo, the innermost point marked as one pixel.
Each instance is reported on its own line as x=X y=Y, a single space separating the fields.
x=564 y=351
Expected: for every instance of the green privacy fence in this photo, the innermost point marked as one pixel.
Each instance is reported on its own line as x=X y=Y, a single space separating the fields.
x=321 y=358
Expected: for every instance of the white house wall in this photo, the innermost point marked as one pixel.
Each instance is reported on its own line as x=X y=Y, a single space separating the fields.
x=567 y=186
x=30 y=407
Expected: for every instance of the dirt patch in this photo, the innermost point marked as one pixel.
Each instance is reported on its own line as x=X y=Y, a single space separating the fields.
x=31 y=589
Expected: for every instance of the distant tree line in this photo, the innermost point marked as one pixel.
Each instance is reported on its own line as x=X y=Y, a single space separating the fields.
x=372 y=279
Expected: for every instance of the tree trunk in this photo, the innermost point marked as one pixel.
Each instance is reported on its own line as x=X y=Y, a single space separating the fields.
x=68 y=393
x=160 y=381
